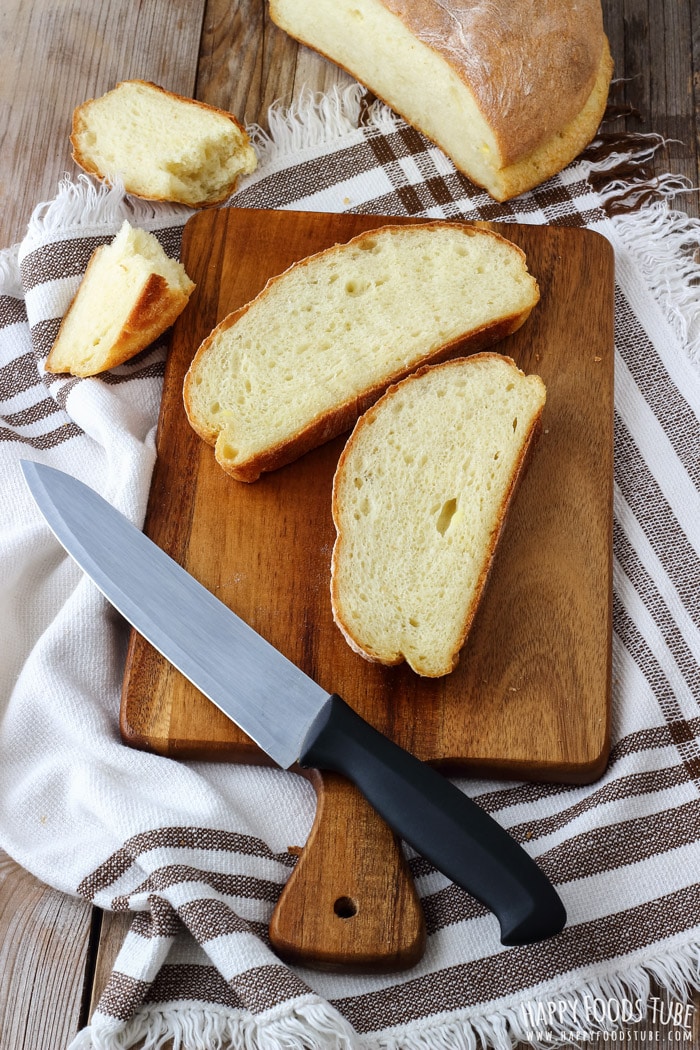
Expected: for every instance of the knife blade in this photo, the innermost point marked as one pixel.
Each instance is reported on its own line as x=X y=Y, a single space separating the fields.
x=289 y=715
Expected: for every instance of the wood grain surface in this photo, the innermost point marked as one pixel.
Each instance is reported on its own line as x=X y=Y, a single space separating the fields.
x=228 y=53
x=530 y=696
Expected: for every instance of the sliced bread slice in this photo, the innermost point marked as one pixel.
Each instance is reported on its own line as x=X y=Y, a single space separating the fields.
x=160 y=145
x=300 y=363
x=419 y=501
x=131 y=292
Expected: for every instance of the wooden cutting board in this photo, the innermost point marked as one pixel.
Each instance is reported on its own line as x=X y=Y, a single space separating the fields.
x=530 y=697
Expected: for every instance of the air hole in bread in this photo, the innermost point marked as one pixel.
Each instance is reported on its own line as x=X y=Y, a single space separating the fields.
x=447 y=513
x=356 y=288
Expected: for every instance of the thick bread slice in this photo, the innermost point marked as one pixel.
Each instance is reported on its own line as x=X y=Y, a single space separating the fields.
x=131 y=292
x=511 y=91
x=299 y=364
x=419 y=500
x=160 y=145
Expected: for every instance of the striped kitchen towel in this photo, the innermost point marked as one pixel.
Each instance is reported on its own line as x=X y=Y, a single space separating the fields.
x=199 y=853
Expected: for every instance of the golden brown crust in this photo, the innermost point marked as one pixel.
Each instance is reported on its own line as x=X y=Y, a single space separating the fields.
x=521 y=466
x=342 y=417
x=80 y=127
x=563 y=147
x=531 y=65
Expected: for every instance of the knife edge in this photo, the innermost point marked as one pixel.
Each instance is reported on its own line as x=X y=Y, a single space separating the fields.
x=204 y=639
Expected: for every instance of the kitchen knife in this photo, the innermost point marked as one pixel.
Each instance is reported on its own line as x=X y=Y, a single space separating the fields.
x=287 y=714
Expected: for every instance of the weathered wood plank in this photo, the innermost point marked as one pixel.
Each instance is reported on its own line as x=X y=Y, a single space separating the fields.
x=656 y=48
x=44 y=950
x=246 y=63
x=114 y=927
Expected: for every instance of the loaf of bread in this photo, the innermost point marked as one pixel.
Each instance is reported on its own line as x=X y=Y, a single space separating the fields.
x=511 y=90
x=131 y=292
x=419 y=500
x=160 y=145
x=299 y=364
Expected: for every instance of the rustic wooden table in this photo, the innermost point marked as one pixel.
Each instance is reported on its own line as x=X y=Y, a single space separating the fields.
x=56 y=951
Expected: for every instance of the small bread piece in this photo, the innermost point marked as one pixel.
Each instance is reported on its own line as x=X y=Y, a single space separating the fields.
x=161 y=146
x=511 y=90
x=300 y=363
x=419 y=501
x=131 y=292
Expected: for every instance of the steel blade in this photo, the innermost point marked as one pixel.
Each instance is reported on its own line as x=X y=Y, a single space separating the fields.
x=263 y=692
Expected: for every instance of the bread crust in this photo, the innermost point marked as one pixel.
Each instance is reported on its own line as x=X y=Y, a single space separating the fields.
x=80 y=126
x=342 y=417
x=563 y=147
x=531 y=64
x=521 y=465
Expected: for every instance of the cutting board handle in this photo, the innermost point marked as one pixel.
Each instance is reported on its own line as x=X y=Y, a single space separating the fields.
x=350 y=905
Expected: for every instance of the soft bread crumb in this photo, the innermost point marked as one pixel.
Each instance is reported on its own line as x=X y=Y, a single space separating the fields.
x=160 y=145
x=419 y=500
x=131 y=292
x=323 y=340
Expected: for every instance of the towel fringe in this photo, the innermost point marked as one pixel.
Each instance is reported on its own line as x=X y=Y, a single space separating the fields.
x=10 y=280
x=666 y=247
x=307 y=1026
x=603 y=1007
x=91 y=208
x=316 y=119
x=664 y=242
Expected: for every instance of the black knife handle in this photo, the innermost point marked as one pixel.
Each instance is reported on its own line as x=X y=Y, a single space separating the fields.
x=439 y=821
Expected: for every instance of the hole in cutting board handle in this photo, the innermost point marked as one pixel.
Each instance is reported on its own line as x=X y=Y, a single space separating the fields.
x=345 y=907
